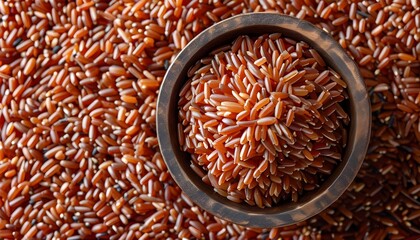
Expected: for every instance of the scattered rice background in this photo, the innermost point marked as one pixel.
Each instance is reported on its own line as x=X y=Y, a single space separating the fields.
x=78 y=152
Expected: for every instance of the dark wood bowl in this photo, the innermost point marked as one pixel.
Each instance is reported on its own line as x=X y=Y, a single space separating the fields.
x=178 y=161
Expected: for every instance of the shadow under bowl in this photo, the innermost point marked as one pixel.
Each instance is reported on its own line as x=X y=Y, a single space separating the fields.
x=178 y=162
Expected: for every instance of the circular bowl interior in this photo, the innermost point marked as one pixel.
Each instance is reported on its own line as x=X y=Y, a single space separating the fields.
x=178 y=161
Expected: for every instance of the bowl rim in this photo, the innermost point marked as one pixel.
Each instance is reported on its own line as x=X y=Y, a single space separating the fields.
x=287 y=213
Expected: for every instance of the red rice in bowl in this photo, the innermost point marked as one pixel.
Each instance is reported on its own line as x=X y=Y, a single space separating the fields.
x=263 y=119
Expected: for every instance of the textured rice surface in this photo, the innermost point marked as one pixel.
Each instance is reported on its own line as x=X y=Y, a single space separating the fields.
x=78 y=151
x=263 y=117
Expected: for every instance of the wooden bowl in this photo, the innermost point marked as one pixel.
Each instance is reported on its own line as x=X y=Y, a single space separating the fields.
x=178 y=162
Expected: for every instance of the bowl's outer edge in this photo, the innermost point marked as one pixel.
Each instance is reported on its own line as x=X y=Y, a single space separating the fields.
x=202 y=194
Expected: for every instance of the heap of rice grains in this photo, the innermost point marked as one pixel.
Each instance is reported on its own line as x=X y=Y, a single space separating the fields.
x=78 y=150
x=263 y=118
